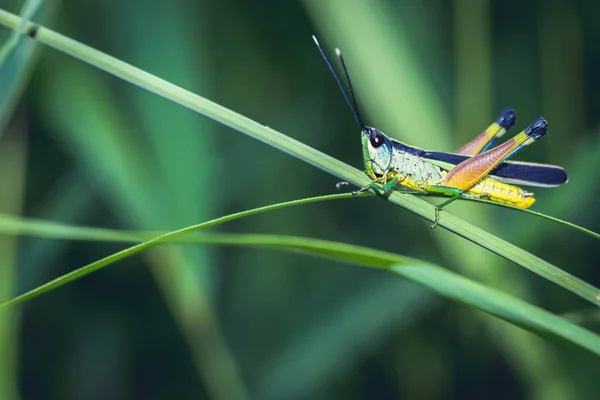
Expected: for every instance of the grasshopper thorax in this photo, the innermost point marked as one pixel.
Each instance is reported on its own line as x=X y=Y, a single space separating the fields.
x=377 y=151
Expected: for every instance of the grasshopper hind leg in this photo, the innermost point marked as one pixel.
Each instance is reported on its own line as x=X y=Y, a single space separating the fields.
x=439 y=207
x=447 y=190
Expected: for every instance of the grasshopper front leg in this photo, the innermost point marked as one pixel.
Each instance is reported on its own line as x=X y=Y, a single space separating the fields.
x=380 y=184
x=384 y=187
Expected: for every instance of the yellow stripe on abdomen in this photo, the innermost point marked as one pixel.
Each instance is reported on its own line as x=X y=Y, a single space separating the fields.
x=493 y=190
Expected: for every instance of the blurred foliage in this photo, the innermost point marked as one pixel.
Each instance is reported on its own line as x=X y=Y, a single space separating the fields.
x=86 y=148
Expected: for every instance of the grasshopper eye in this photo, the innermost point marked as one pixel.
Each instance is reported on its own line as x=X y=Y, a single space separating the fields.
x=376 y=138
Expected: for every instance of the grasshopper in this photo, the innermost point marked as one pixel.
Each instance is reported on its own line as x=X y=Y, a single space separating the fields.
x=474 y=171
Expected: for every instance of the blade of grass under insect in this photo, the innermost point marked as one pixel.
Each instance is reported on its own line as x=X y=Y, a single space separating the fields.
x=301 y=151
x=444 y=282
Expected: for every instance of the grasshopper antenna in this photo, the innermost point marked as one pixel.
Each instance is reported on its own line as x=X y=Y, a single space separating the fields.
x=338 y=52
x=352 y=104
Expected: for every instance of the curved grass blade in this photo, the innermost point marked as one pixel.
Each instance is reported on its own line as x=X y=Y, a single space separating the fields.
x=444 y=282
x=11 y=225
x=497 y=303
x=297 y=149
x=15 y=226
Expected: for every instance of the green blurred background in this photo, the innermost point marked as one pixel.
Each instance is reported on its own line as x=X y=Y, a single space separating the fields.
x=83 y=147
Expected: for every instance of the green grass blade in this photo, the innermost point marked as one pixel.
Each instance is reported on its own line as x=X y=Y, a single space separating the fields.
x=433 y=277
x=16 y=226
x=11 y=225
x=303 y=152
x=498 y=303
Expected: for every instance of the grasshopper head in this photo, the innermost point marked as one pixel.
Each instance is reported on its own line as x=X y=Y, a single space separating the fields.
x=377 y=152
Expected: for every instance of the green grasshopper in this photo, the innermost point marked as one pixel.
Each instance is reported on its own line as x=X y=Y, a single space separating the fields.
x=474 y=171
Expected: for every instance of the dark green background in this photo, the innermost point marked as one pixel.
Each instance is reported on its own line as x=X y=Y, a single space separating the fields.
x=223 y=323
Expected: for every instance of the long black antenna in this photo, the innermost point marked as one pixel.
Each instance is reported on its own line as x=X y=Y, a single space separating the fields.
x=353 y=106
x=338 y=52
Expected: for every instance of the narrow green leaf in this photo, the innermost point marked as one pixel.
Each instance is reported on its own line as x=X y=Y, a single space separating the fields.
x=433 y=277
x=16 y=226
x=499 y=304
